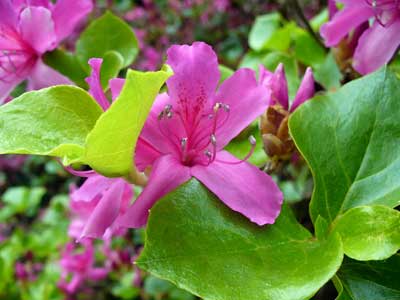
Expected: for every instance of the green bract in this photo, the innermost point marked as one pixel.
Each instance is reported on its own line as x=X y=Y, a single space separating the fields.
x=201 y=245
x=111 y=144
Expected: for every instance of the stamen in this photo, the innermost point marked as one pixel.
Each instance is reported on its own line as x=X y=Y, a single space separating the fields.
x=215 y=125
x=213 y=141
x=167 y=114
x=253 y=143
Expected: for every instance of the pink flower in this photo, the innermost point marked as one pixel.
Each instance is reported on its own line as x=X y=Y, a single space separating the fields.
x=276 y=82
x=379 y=42
x=100 y=200
x=79 y=266
x=27 y=30
x=188 y=128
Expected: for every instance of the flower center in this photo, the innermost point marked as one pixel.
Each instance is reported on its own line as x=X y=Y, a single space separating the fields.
x=16 y=58
x=200 y=145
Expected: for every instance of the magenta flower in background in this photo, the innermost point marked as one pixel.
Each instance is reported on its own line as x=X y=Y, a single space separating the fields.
x=100 y=200
x=77 y=266
x=95 y=206
x=377 y=45
x=27 y=30
x=188 y=128
x=276 y=82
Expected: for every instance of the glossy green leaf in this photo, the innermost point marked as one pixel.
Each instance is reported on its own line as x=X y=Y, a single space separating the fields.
x=351 y=141
x=373 y=280
x=369 y=232
x=53 y=121
x=67 y=64
x=112 y=64
x=215 y=253
x=107 y=33
x=263 y=29
x=111 y=144
x=307 y=50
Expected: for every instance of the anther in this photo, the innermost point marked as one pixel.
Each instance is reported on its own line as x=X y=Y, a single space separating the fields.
x=252 y=140
x=213 y=140
x=184 y=142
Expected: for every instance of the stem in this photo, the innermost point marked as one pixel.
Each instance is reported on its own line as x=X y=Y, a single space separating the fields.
x=294 y=4
x=136 y=177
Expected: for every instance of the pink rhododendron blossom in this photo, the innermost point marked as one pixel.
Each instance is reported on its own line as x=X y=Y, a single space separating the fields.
x=27 y=30
x=377 y=45
x=79 y=266
x=276 y=82
x=188 y=128
x=100 y=200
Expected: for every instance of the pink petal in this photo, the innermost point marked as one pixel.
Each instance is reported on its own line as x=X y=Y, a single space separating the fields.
x=306 y=90
x=344 y=21
x=37 y=28
x=106 y=211
x=94 y=83
x=195 y=78
x=74 y=284
x=279 y=87
x=98 y=274
x=43 y=76
x=166 y=175
x=376 y=47
x=247 y=100
x=8 y=16
x=145 y=154
x=6 y=89
x=21 y=4
x=92 y=187
x=67 y=14
x=332 y=8
x=242 y=187
x=116 y=85
x=160 y=135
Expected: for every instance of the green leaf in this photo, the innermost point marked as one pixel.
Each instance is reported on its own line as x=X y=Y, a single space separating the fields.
x=23 y=199
x=112 y=64
x=328 y=73
x=263 y=29
x=351 y=141
x=370 y=280
x=225 y=73
x=307 y=50
x=215 y=253
x=111 y=144
x=67 y=64
x=53 y=121
x=124 y=288
x=107 y=33
x=369 y=232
